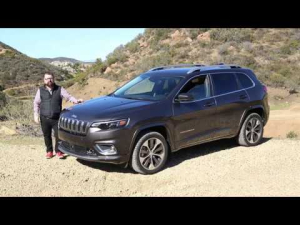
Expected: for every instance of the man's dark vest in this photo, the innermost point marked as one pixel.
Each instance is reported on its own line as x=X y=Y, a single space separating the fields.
x=51 y=105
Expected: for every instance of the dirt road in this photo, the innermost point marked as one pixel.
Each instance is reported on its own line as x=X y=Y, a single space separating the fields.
x=220 y=168
x=282 y=122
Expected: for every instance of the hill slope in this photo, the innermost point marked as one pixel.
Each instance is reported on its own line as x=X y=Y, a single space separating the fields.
x=274 y=54
x=18 y=69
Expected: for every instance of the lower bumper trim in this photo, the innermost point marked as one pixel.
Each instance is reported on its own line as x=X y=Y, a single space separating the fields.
x=103 y=159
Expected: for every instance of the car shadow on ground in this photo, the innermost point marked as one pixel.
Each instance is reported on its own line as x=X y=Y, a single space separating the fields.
x=203 y=149
x=106 y=167
x=177 y=157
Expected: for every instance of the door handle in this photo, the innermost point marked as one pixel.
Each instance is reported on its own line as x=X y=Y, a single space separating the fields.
x=209 y=104
x=243 y=96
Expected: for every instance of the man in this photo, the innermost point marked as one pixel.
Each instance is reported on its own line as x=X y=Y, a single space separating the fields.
x=47 y=108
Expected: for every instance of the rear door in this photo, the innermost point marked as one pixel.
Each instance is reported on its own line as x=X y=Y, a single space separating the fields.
x=232 y=101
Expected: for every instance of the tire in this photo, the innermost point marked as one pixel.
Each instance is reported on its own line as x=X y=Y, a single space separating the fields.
x=252 y=131
x=150 y=153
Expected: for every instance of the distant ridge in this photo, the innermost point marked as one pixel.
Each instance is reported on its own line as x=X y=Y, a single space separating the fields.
x=61 y=59
x=17 y=68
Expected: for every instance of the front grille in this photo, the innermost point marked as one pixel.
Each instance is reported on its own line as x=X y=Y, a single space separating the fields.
x=73 y=126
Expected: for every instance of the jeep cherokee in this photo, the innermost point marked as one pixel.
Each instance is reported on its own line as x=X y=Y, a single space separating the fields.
x=164 y=110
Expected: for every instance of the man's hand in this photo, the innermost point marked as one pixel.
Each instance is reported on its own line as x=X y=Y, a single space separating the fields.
x=79 y=101
x=36 y=118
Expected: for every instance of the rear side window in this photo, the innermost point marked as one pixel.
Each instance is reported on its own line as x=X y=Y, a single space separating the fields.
x=244 y=80
x=224 y=83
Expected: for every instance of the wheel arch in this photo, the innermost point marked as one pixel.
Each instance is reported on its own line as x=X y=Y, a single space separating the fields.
x=259 y=109
x=156 y=127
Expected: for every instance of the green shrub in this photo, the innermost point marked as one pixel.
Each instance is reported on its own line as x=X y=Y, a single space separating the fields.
x=223 y=49
x=286 y=50
x=133 y=46
x=147 y=63
x=247 y=46
x=157 y=35
x=242 y=60
x=81 y=78
x=231 y=34
x=277 y=79
x=180 y=44
x=183 y=55
x=118 y=55
x=194 y=32
x=2 y=87
x=295 y=44
x=290 y=47
x=285 y=71
x=2 y=100
x=162 y=33
x=18 y=110
x=68 y=83
x=11 y=92
x=292 y=135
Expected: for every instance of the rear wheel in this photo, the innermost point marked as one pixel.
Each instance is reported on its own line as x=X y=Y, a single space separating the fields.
x=252 y=130
x=150 y=153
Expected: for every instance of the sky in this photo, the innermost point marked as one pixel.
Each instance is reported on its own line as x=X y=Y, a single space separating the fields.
x=82 y=44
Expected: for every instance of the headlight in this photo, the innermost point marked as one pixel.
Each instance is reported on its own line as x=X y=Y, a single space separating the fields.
x=111 y=124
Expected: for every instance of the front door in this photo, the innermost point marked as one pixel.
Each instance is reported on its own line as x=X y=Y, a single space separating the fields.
x=194 y=120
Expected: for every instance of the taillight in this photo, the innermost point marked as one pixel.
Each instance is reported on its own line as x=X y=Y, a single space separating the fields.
x=265 y=88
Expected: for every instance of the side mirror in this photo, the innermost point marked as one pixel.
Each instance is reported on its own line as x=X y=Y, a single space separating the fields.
x=185 y=98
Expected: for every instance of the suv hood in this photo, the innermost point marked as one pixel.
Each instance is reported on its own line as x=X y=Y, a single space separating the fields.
x=104 y=108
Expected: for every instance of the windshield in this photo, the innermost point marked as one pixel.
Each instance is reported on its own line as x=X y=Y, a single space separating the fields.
x=148 y=88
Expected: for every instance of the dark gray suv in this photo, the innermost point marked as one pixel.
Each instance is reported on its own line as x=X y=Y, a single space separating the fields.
x=164 y=110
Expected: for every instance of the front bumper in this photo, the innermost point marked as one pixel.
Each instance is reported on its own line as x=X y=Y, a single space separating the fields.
x=83 y=147
x=116 y=159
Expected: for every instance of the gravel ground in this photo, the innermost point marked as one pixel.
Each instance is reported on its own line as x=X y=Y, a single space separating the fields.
x=220 y=168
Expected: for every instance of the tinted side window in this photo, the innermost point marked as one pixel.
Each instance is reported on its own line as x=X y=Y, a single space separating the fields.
x=244 y=80
x=224 y=83
x=199 y=87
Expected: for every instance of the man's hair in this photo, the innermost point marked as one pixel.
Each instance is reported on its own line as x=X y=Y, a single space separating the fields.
x=49 y=73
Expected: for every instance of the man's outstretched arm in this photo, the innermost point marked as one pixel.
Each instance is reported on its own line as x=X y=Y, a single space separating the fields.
x=36 y=106
x=65 y=95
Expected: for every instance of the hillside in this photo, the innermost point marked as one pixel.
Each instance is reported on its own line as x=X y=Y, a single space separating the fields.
x=18 y=69
x=272 y=53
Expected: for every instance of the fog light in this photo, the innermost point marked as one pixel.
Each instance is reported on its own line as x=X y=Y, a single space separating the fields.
x=106 y=149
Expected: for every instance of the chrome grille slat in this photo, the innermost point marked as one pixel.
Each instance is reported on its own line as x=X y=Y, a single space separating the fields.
x=65 y=123
x=81 y=127
x=86 y=127
x=77 y=126
x=74 y=126
x=69 y=124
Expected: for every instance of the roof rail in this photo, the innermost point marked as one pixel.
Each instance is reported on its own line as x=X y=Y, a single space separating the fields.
x=194 y=70
x=218 y=66
x=226 y=66
x=175 y=66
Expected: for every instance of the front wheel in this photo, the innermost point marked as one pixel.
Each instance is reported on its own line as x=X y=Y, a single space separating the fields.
x=150 y=153
x=252 y=130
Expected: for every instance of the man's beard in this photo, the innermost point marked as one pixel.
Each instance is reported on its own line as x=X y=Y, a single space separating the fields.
x=50 y=84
